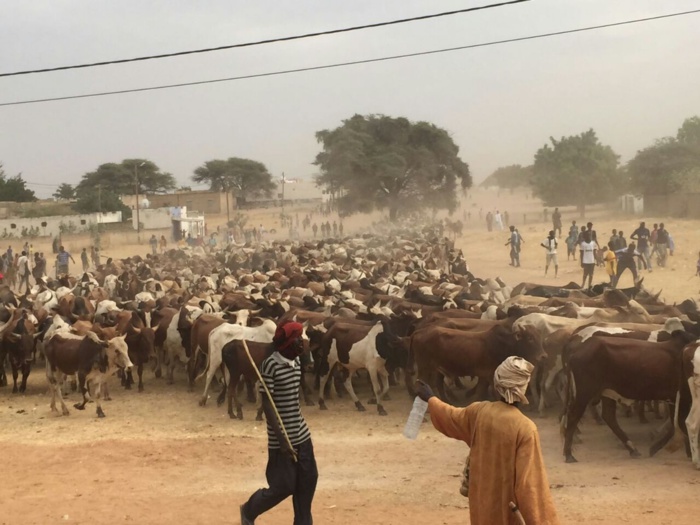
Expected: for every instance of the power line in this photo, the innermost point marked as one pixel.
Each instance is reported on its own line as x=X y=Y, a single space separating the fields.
x=267 y=41
x=351 y=63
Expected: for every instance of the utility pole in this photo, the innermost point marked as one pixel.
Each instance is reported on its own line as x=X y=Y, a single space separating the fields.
x=99 y=198
x=283 y=182
x=136 y=192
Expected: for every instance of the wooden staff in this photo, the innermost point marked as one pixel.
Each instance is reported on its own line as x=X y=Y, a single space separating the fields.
x=516 y=511
x=272 y=403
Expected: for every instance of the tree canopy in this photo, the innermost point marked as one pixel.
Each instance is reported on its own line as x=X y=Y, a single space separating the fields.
x=671 y=164
x=576 y=170
x=509 y=177
x=14 y=189
x=379 y=162
x=119 y=178
x=248 y=178
x=64 y=192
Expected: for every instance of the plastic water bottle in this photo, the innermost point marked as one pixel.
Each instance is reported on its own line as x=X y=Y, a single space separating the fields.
x=415 y=418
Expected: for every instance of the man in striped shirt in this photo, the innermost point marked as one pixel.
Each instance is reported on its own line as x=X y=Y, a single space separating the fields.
x=291 y=471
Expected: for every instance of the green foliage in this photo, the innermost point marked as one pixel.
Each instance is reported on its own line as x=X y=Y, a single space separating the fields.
x=576 y=170
x=119 y=179
x=379 y=162
x=33 y=211
x=14 y=189
x=67 y=227
x=672 y=164
x=509 y=177
x=93 y=201
x=64 y=192
x=248 y=178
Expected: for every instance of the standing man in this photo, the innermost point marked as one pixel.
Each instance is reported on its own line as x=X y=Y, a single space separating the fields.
x=23 y=271
x=662 y=245
x=498 y=219
x=489 y=221
x=614 y=240
x=290 y=471
x=62 y=261
x=625 y=260
x=550 y=244
x=589 y=250
x=556 y=221
x=84 y=259
x=153 y=241
x=515 y=240
x=643 y=238
x=505 y=462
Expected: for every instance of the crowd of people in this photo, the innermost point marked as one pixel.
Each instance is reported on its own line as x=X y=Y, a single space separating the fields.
x=645 y=249
x=16 y=267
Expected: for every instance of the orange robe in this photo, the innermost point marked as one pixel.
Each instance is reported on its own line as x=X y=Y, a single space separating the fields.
x=506 y=462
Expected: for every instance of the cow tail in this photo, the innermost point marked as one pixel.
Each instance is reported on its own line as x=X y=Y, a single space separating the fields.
x=409 y=371
x=677 y=439
x=206 y=366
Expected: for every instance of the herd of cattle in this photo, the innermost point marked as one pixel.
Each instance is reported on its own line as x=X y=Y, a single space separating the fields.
x=390 y=305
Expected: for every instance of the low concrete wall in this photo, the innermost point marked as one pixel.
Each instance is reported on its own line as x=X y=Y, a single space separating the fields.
x=54 y=225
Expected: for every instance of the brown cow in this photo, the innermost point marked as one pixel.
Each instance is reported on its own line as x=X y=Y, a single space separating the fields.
x=236 y=361
x=199 y=343
x=610 y=368
x=140 y=340
x=18 y=343
x=93 y=360
x=455 y=353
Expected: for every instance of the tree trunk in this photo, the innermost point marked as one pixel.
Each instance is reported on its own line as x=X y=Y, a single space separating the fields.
x=393 y=212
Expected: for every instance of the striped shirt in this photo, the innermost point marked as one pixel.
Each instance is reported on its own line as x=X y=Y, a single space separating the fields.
x=282 y=378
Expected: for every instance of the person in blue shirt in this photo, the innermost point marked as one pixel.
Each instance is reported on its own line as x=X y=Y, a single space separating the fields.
x=62 y=261
x=515 y=242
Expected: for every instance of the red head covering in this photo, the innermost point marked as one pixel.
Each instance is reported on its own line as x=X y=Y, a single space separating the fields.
x=286 y=334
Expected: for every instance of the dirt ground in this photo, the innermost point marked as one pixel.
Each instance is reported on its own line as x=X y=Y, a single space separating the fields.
x=160 y=458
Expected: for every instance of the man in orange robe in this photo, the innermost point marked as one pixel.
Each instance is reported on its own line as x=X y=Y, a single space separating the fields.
x=506 y=460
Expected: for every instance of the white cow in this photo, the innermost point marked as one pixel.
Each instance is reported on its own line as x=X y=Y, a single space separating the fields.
x=362 y=354
x=691 y=358
x=221 y=335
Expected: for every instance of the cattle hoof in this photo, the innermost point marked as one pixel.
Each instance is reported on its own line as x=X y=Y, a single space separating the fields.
x=310 y=403
x=140 y=388
x=381 y=411
x=386 y=397
x=635 y=453
x=14 y=390
x=258 y=417
x=79 y=406
x=372 y=401
x=170 y=381
x=220 y=400
x=100 y=413
x=571 y=459
x=158 y=374
x=239 y=415
x=360 y=407
x=66 y=412
x=127 y=387
x=107 y=398
x=202 y=402
x=322 y=405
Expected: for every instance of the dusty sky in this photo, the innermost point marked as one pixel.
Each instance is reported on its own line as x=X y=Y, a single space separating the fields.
x=631 y=84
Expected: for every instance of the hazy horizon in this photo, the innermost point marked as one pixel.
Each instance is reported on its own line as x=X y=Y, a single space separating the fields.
x=632 y=84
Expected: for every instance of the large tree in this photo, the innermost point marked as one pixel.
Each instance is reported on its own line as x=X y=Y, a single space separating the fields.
x=671 y=164
x=121 y=178
x=248 y=178
x=64 y=192
x=14 y=189
x=379 y=162
x=576 y=170
x=509 y=177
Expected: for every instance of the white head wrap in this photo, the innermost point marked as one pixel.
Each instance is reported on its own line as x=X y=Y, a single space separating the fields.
x=511 y=379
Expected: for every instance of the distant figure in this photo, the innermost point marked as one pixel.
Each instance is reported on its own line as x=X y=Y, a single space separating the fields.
x=697 y=266
x=613 y=239
x=84 y=260
x=545 y=214
x=573 y=228
x=589 y=249
x=335 y=229
x=621 y=241
x=498 y=219
x=610 y=261
x=163 y=244
x=556 y=221
x=571 y=243
x=95 y=256
x=642 y=236
x=62 y=261
x=550 y=245
x=662 y=243
x=314 y=228
x=592 y=232
x=514 y=241
x=23 y=272
x=153 y=241
x=625 y=260
x=489 y=221
x=340 y=228
x=505 y=218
